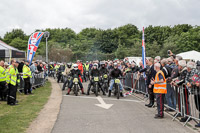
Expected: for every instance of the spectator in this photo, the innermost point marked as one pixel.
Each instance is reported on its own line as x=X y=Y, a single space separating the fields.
x=170 y=96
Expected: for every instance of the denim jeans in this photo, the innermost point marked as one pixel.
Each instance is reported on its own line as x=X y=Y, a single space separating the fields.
x=170 y=97
x=112 y=81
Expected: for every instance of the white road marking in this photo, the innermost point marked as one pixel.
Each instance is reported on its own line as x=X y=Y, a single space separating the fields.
x=102 y=103
x=88 y=97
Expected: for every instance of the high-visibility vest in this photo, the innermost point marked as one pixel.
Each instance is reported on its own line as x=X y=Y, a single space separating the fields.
x=26 y=72
x=56 y=67
x=87 y=67
x=12 y=75
x=160 y=87
x=2 y=74
x=51 y=67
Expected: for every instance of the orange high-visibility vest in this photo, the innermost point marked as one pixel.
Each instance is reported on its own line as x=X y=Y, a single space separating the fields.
x=160 y=87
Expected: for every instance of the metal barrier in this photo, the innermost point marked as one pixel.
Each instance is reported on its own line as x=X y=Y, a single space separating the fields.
x=136 y=83
x=37 y=79
x=191 y=103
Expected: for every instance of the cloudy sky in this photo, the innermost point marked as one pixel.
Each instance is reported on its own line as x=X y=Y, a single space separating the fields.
x=78 y=14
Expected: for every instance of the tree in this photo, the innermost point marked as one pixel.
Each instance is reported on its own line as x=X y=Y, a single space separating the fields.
x=15 y=33
x=19 y=44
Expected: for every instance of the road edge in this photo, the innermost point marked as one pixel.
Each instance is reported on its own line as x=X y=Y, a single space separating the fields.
x=47 y=117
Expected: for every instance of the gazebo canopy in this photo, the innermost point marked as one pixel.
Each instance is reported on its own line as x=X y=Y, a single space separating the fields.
x=190 y=55
x=7 y=51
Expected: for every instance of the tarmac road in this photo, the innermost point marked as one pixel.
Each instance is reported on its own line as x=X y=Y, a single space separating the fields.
x=127 y=115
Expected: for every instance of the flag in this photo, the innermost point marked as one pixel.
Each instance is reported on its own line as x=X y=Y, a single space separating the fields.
x=143 y=50
x=33 y=44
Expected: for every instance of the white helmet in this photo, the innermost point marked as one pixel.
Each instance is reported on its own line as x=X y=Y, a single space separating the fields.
x=95 y=64
x=75 y=67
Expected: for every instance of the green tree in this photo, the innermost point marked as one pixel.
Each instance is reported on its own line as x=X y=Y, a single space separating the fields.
x=19 y=44
x=15 y=33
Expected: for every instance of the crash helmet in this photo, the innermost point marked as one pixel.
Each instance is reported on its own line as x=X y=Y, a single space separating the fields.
x=69 y=65
x=95 y=65
x=102 y=63
x=75 y=67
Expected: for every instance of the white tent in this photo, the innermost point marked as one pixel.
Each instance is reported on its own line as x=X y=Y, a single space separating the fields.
x=190 y=55
x=7 y=51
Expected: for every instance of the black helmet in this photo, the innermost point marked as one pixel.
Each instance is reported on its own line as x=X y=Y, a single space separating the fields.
x=69 y=65
x=95 y=65
x=198 y=63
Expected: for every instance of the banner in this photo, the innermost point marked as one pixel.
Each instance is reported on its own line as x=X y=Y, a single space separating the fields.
x=33 y=44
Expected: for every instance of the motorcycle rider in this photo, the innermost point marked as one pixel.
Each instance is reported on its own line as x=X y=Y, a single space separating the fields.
x=67 y=72
x=115 y=73
x=103 y=69
x=60 y=70
x=94 y=73
x=75 y=72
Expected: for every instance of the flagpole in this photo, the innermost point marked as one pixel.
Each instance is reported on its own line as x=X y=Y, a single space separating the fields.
x=46 y=35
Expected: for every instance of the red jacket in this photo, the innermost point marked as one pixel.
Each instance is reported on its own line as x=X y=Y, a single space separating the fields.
x=80 y=67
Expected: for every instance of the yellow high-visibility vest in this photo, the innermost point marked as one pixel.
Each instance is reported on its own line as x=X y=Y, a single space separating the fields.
x=2 y=74
x=26 y=72
x=12 y=75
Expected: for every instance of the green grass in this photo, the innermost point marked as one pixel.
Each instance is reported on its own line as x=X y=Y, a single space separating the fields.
x=16 y=119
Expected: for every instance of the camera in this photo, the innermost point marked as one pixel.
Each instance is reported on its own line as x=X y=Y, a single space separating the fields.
x=169 y=52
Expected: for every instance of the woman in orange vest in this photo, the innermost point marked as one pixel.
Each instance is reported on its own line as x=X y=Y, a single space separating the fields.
x=160 y=89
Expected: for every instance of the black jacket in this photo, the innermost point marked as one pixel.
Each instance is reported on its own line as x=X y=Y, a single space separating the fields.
x=182 y=76
x=116 y=73
x=20 y=67
x=75 y=73
x=167 y=71
x=135 y=69
x=39 y=68
x=103 y=71
x=61 y=68
x=151 y=73
x=95 y=73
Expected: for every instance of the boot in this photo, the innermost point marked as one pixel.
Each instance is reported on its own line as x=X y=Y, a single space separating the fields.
x=68 y=91
x=151 y=101
x=103 y=91
x=63 y=88
x=82 y=91
x=148 y=104
x=109 y=93
x=151 y=104
x=88 y=90
x=121 y=94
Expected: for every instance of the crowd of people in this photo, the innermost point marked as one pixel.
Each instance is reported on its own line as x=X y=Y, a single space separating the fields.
x=163 y=77
x=12 y=75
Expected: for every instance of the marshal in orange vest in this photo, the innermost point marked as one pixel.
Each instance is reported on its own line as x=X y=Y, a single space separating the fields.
x=160 y=87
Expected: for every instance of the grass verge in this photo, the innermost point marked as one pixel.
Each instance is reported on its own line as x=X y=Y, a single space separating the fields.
x=16 y=119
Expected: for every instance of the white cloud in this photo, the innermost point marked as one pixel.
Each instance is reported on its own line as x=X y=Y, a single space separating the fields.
x=78 y=14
